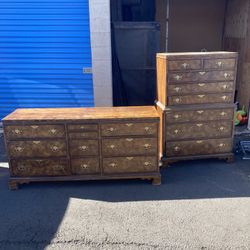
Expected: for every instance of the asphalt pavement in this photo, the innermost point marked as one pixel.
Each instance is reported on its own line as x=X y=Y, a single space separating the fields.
x=200 y=205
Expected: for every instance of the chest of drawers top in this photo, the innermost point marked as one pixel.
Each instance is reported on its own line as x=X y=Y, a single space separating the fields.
x=196 y=78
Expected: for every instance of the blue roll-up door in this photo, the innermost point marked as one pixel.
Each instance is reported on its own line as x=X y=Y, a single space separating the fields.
x=44 y=49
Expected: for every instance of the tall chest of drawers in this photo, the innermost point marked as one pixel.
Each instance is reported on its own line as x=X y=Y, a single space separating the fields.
x=82 y=144
x=195 y=98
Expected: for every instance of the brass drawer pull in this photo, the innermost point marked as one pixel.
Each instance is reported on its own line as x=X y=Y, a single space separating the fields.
x=148 y=129
x=176 y=131
x=224 y=97
x=199 y=142
x=221 y=145
x=129 y=158
x=19 y=149
x=200 y=111
x=129 y=139
x=36 y=142
x=54 y=148
x=223 y=113
x=177 y=116
x=225 y=86
x=199 y=125
x=177 y=77
x=185 y=65
x=112 y=146
x=84 y=165
x=201 y=96
x=177 y=100
x=147 y=163
x=202 y=73
x=176 y=149
x=83 y=147
x=219 y=63
x=129 y=124
x=222 y=128
x=34 y=126
x=20 y=168
x=39 y=161
x=17 y=131
x=147 y=146
x=177 y=89
x=201 y=84
x=113 y=165
x=82 y=127
x=227 y=75
x=111 y=129
x=53 y=130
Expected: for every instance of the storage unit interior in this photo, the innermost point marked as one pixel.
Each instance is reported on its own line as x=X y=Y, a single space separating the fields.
x=184 y=25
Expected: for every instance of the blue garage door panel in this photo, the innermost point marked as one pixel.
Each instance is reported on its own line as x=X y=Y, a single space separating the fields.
x=44 y=46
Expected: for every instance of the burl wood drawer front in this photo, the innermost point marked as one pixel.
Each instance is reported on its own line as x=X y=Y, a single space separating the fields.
x=201 y=76
x=201 y=114
x=199 y=147
x=213 y=129
x=129 y=128
x=219 y=64
x=55 y=148
x=201 y=99
x=83 y=147
x=216 y=87
x=85 y=166
x=83 y=135
x=129 y=146
x=40 y=167
x=83 y=127
x=117 y=165
x=185 y=65
x=34 y=131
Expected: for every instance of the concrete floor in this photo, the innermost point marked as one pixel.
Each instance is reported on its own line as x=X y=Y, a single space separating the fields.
x=200 y=205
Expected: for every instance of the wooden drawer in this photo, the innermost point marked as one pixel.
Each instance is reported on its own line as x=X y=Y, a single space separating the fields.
x=34 y=131
x=139 y=164
x=83 y=127
x=48 y=148
x=129 y=128
x=219 y=64
x=85 y=166
x=83 y=147
x=216 y=87
x=129 y=146
x=201 y=114
x=201 y=76
x=185 y=65
x=199 y=147
x=213 y=129
x=201 y=99
x=39 y=167
x=83 y=135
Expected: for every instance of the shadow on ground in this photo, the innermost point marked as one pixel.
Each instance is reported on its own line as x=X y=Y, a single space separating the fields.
x=32 y=215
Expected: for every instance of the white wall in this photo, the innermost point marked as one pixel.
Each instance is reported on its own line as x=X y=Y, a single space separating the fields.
x=100 y=29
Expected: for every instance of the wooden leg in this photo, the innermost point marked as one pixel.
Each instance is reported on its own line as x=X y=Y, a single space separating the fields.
x=13 y=185
x=230 y=159
x=156 y=181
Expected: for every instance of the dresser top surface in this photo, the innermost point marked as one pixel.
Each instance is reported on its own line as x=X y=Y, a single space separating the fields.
x=41 y=114
x=214 y=54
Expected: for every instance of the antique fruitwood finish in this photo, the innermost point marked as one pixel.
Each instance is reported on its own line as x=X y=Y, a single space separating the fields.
x=82 y=144
x=195 y=96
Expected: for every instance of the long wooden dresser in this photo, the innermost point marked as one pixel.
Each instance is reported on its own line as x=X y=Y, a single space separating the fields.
x=82 y=144
x=195 y=98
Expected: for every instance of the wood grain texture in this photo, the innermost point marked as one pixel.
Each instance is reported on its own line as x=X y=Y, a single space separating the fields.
x=78 y=114
x=199 y=89
x=84 y=139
